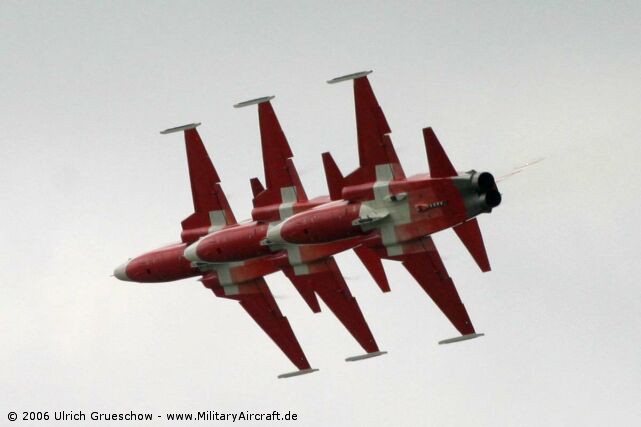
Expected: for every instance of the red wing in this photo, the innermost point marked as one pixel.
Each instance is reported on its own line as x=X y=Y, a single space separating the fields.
x=255 y=297
x=279 y=173
x=374 y=143
x=425 y=265
x=282 y=184
x=211 y=208
x=326 y=280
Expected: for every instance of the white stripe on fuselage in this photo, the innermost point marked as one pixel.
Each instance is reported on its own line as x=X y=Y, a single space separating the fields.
x=217 y=220
x=399 y=212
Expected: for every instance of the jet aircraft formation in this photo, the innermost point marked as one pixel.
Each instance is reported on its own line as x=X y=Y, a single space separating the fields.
x=376 y=210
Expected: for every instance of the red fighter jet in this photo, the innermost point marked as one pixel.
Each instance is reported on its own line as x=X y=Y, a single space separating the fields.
x=376 y=210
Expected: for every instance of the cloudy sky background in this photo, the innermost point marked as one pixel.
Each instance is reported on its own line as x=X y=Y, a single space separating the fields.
x=86 y=181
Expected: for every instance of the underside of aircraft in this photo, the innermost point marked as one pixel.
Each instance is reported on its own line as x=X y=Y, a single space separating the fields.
x=376 y=210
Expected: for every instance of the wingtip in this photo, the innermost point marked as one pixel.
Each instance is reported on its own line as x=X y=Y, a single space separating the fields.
x=461 y=338
x=254 y=101
x=297 y=373
x=351 y=76
x=365 y=356
x=180 y=128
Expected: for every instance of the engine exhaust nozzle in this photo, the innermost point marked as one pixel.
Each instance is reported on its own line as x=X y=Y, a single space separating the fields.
x=484 y=181
x=491 y=199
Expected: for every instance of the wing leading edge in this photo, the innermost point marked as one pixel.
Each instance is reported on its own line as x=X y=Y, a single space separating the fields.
x=211 y=209
x=283 y=187
x=423 y=262
x=257 y=300
x=325 y=280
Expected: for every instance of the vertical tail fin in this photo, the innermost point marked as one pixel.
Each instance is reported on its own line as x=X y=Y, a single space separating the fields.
x=335 y=180
x=257 y=186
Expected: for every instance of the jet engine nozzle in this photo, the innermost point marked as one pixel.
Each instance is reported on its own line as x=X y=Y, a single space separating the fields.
x=484 y=181
x=490 y=200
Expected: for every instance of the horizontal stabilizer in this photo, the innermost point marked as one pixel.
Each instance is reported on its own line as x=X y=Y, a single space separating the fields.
x=470 y=234
x=461 y=338
x=297 y=373
x=349 y=77
x=440 y=165
x=254 y=101
x=180 y=128
x=365 y=356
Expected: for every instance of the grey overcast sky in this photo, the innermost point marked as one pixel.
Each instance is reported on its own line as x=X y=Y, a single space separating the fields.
x=86 y=181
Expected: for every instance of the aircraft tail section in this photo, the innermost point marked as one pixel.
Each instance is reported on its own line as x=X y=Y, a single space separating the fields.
x=211 y=208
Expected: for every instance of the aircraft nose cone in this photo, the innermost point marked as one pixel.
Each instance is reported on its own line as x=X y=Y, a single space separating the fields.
x=121 y=272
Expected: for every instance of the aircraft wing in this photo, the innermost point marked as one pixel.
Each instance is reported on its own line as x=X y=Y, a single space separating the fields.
x=283 y=187
x=422 y=260
x=375 y=148
x=324 y=279
x=255 y=297
x=211 y=209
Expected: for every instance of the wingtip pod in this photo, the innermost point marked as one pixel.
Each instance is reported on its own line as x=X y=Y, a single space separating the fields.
x=297 y=373
x=365 y=356
x=352 y=76
x=180 y=128
x=461 y=338
x=470 y=234
x=254 y=101
x=440 y=164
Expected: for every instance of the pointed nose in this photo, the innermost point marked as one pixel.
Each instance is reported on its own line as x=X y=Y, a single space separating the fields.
x=121 y=272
